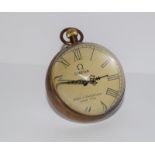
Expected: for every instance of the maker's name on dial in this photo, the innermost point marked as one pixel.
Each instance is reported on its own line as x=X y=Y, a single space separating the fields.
x=90 y=96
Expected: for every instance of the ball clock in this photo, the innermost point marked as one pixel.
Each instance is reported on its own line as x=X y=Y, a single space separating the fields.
x=85 y=81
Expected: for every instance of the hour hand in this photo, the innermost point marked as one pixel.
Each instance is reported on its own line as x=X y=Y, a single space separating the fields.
x=80 y=82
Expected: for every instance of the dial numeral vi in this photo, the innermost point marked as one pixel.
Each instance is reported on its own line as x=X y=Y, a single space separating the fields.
x=87 y=109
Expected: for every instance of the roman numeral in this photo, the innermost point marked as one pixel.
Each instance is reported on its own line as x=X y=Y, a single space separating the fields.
x=105 y=63
x=59 y=77
x=104 y=106
x=64 y=62
x=87 y=109
x=92 y=54
x=113 y=77
x=77 y=54
x=112 y=92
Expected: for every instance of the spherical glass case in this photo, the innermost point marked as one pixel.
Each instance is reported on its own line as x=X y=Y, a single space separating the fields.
x=85 y=82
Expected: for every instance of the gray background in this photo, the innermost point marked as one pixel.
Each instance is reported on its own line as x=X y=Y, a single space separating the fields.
x=28 y=42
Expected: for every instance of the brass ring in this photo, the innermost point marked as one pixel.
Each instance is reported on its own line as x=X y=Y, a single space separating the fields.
x=69 y=42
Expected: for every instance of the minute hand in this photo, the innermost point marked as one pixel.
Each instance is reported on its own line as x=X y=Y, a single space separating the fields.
x=100 y=77
x=92 y=80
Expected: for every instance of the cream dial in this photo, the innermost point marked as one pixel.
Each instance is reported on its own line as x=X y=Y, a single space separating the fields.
x=88 y=79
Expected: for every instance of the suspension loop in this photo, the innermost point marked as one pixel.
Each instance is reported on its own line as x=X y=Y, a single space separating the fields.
x=70 y=36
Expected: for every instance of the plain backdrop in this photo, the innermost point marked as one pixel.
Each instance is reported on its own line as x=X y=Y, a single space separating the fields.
x=28 y=42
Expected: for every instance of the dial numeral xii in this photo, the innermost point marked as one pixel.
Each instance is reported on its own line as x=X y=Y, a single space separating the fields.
x=77 y=55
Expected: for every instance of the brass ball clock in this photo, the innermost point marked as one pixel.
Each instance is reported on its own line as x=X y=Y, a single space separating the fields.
x=85 y=81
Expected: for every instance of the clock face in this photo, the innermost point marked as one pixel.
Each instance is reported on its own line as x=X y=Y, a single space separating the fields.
x=88 y=79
